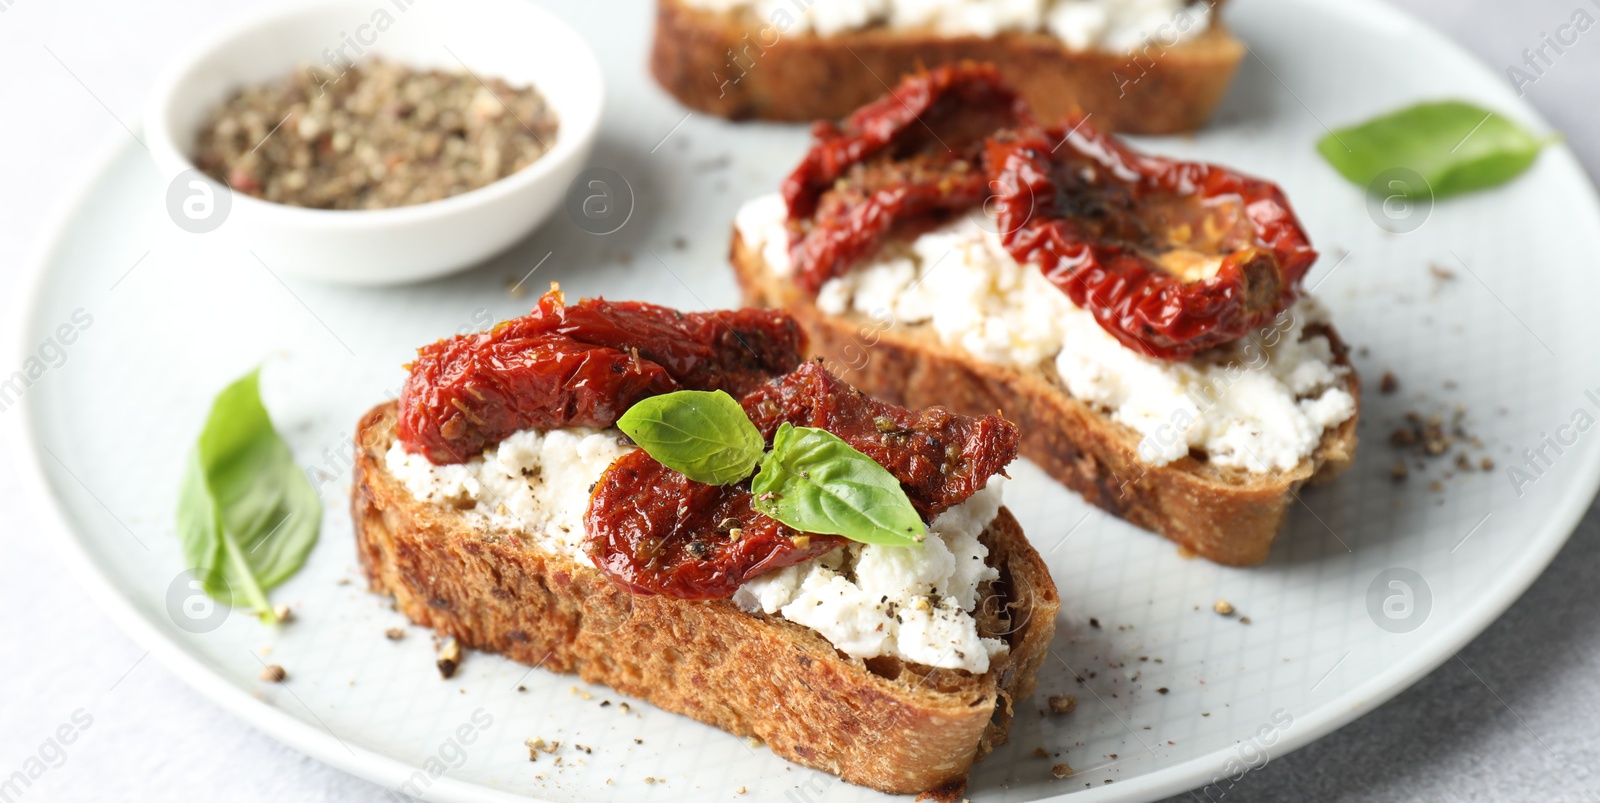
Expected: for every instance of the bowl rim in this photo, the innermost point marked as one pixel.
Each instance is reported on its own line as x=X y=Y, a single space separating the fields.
x=573 y=134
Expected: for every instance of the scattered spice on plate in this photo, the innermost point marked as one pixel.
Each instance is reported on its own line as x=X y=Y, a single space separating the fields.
x=1062 y=703
x=1062 y=770
x=394 y=633
x=449 y=657
x=1223 y=607
x=1435 y=441
x=381 y=135
x=1403 y=437
x=1388 y=384
x=272 y=673
x=537 y=745
x=1424 y=438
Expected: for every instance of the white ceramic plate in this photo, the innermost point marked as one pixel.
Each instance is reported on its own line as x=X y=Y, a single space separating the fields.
x=175 y=316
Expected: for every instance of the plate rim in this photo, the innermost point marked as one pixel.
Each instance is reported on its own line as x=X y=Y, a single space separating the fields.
x=388 y=772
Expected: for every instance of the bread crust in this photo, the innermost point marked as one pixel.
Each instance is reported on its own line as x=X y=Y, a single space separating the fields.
x=734 y=65
x=1227 y=516
x=896 y=727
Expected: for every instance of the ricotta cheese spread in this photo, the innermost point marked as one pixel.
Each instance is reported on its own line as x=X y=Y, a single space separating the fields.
x=536 y=483
x=1114 y=25
x=1261 y=403
x=910 y=602
x=914 y=603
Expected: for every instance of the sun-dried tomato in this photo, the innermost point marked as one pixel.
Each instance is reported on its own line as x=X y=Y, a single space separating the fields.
x=582 y=365
x=940 y=458
x=871 y=202
x=907 y=157
x=1171 y=257
x=947 y=109
x=655 y=531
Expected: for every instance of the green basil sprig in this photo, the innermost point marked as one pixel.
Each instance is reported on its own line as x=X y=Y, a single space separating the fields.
x=811 y=480
x=816 y=483
x=704 y=435
x=1457 y=147
x=247 y=516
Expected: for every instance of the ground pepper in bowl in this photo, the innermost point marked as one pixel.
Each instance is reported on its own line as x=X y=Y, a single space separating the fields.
x=380 y=135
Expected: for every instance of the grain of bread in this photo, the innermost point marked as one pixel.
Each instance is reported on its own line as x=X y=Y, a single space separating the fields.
x=893 y=726
x=735 y=65
x=1229 y=516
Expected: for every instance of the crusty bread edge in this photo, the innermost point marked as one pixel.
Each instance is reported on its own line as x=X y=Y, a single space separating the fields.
x=724 y=64
x=749 y=675
x=1228 y=517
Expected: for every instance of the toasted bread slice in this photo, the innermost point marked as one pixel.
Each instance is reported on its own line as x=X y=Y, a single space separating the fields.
x=736 y=65
x=1227 y=515
x=894 y=726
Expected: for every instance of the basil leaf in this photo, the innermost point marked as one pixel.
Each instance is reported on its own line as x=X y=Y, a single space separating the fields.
x=816 y=483
x=247 y=516
x=704 y=435
x=1456 y=147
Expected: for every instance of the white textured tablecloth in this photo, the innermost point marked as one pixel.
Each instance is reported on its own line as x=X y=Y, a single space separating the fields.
x=1522 y=723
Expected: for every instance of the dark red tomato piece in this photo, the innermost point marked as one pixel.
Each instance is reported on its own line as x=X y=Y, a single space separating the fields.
x=946 y=110
x=896 y=165
x=583 y=365
x=466 y=394
x=654 y=531
x=940 y=458
x=1171 y=257
x=731 y=350
x=874 y=200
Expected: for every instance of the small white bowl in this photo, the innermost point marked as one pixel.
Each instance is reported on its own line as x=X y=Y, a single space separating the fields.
x=510 y=39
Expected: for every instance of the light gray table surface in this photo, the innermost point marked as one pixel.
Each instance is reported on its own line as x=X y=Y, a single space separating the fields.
x=1517 y=718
